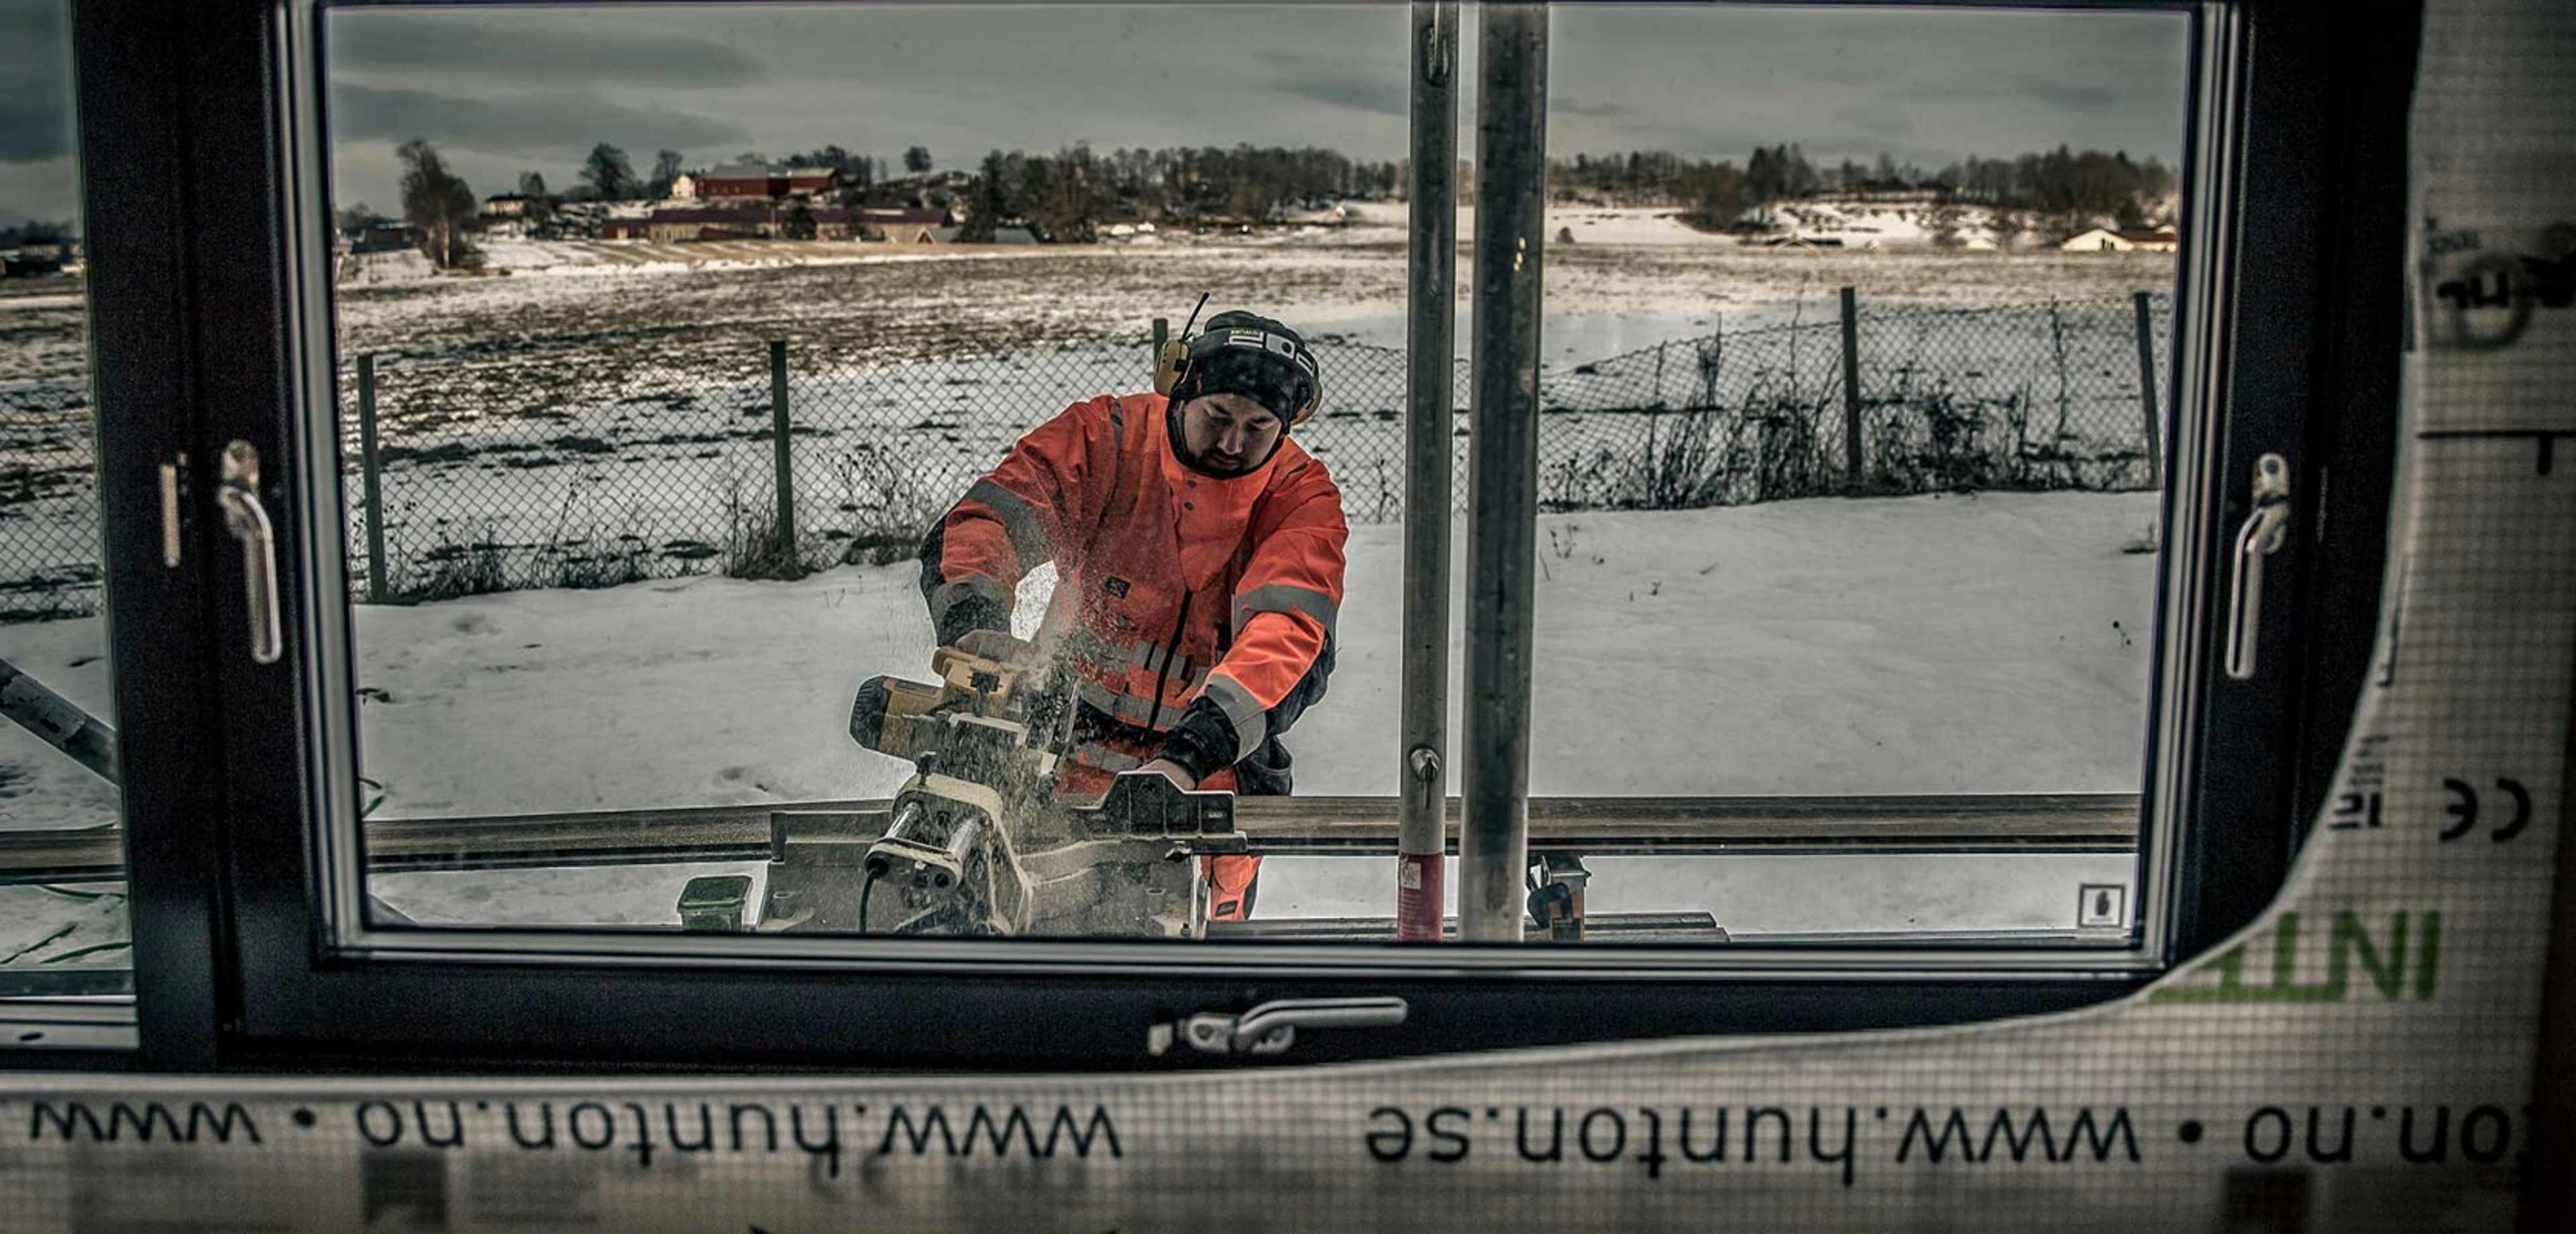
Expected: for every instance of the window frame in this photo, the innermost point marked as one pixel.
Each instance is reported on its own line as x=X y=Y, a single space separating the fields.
x=241 y=968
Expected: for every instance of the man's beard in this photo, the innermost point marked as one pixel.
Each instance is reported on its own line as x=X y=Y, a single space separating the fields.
x=1218 y=463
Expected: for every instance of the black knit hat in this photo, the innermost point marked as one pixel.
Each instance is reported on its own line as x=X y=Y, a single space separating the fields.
x=1254 y=356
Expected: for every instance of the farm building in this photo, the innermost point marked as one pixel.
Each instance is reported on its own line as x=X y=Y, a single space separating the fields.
x=675 y=226
x=896 y=226
x=2108 y=240
x=743 y=181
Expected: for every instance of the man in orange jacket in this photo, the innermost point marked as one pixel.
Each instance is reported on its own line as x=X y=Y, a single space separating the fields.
x=1198 y=556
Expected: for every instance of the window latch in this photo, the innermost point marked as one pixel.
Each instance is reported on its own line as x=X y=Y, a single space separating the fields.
x=1272 y=1027
x=2265 y=530
x=248 y=521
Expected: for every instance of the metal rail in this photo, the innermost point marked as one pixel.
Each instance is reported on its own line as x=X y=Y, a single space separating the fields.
x=1696 y=927
x=62 y=725
x=1344 y=826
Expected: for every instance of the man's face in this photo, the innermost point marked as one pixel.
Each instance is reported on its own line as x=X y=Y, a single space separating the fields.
x=1228 y=434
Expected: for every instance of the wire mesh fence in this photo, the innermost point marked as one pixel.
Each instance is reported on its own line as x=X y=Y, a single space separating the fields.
x=49 y=546
x=603 y=459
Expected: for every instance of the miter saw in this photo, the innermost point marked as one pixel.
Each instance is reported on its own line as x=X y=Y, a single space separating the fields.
x=977 y=841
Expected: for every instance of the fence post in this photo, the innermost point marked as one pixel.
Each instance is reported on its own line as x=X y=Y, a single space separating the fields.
x=786 y=472
x=2147 y=409
x=372 y=491
x=1851 y=392
x=1654 y=486
x=1162 y=332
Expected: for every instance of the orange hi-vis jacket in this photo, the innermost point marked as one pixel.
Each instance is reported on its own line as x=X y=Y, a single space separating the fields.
x=1196 y=612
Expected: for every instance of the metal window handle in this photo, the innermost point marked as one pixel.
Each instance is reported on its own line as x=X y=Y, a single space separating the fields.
x=248 y=521
x=1272 y=1027
x=2265 y=530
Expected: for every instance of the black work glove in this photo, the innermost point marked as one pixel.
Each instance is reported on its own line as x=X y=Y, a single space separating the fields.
x=1203 y=743
x=969 y=614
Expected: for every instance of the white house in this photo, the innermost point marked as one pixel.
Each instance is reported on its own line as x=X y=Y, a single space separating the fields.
x=684 y=187
x=2107 y=240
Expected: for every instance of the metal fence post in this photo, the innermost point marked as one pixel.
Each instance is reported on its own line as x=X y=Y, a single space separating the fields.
x=371 y=491
x=1851 y=391
x=1502 y=476
x=1162 y=334
x=1431 y=290
x=786 y=470
x=2150 y=415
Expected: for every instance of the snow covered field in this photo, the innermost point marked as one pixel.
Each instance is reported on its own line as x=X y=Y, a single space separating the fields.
x=1973 y=644
x=1991 y=644
x=537 y=441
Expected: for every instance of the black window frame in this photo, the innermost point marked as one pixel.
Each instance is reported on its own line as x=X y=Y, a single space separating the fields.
x=197 y=319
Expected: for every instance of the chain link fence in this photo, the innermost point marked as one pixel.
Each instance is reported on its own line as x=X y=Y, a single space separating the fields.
x=604 y=459
x=49 y=545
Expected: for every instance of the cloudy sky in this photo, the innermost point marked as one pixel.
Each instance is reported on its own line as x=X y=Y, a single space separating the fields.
x=502 y=90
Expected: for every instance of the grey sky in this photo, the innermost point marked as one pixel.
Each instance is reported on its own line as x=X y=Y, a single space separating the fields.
x=501 y=90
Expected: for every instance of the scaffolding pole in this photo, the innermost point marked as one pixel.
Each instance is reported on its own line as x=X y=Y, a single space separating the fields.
x=1502 y=476
x=1429 y=341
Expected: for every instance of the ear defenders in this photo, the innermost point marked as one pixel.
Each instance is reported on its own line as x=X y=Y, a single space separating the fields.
x=1233 y=338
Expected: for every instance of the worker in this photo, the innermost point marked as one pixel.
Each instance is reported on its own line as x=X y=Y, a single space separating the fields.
x=1198 y=554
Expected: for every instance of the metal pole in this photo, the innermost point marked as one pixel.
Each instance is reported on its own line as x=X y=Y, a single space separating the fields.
x=786 y=472
x=1430 y=342
x=1502 y=476
x=1851 y=392
x=372 y=491
x=2149 y=413
x=63 y=726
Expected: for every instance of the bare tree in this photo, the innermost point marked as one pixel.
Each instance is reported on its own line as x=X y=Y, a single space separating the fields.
x=609 y=175
x=666 y=169
x=990 y=203
x=438 y=205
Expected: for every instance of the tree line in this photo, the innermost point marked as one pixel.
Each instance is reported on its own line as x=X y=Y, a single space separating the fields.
x=1069 y=195
x=608 y=175
x=2058 y=191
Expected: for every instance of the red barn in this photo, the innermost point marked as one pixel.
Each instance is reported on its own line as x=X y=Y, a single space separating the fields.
x=754 y=180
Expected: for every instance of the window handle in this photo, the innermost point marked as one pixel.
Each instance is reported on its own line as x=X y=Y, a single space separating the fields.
x=1272 y=1027
x=248 y=521
x=2265 y=529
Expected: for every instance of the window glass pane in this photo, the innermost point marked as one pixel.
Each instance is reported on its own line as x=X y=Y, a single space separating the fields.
x=576 y=311
x=589 y=317
x=1850 y=489
x=63 y=935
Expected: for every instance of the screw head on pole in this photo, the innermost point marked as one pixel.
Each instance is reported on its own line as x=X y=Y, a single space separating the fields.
x=1424 y=762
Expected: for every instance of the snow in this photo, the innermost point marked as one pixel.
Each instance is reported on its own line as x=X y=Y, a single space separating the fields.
x=1858 y=224
x=1993 y=644
x=63 y=300
x=1943 y=644
x=515 y=256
